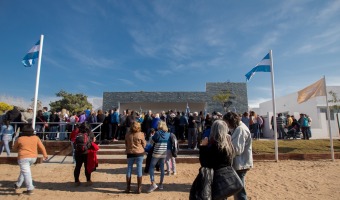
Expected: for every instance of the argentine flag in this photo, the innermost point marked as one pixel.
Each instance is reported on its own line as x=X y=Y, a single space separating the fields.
x=263 y=66
x=187 y=110
x=32 y=54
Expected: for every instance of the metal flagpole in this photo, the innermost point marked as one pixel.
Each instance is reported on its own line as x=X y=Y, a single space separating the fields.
x=274 y=106
x=329 y=121
x=37 y=82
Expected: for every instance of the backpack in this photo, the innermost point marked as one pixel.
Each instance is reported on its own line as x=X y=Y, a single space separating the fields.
x=81 y=144
x=305 y=122
x=174 y=145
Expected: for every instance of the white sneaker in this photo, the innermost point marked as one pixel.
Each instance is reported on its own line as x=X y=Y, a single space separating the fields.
x=152 y=188
x=175 y=173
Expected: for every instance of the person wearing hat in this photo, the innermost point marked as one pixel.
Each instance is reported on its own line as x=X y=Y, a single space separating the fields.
x=27 y=146
x=27 y=116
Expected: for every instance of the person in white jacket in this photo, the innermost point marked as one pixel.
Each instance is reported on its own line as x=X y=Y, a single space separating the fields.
x=242 y=142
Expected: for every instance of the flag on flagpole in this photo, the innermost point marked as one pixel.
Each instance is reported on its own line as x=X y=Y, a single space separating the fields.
x=187 y=110
x=263 y=66
x=314 y=90
x=32 y=54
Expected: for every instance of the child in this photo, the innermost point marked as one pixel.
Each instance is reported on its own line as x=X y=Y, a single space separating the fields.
x=92 y=160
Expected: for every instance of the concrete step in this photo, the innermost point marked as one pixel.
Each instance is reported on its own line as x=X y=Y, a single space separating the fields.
x=121 y=159
x=120 y=145
x=122 y=152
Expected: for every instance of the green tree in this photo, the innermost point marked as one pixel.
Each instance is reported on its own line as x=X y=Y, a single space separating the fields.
x=4 y=106
x=335 y=106
x=71 y=102
x=223 y=99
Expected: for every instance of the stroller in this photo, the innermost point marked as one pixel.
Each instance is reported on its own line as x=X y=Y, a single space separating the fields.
x=292 y=132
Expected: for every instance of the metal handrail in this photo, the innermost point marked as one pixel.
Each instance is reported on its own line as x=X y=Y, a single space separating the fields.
x=99 y=125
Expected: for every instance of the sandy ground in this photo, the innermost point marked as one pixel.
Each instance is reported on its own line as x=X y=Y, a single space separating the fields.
x=268 y=180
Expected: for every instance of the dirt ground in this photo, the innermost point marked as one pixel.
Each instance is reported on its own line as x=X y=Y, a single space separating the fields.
x=268 y=180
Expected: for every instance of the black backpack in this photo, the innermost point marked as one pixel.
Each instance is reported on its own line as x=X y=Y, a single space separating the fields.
x=82 y=143
x=175 y=145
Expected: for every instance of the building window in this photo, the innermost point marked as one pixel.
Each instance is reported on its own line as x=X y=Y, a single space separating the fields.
x=324 y=110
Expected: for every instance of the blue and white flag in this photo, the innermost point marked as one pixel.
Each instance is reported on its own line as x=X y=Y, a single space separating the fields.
x=263 y=66
x=187 y=110
x=32 y=54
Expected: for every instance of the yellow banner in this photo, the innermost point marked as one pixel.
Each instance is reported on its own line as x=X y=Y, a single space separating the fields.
x=316 y=89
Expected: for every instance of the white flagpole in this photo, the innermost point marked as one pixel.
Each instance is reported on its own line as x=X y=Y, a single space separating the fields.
x=274 y=106
x=329 y=121
x=37 y=82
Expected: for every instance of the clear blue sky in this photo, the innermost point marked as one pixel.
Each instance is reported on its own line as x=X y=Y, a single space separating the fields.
x=92 y=47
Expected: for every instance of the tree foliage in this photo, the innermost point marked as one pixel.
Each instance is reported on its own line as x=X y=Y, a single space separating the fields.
x=4 y=106
x=71 y=102
x=221 y=97
x=334 y=101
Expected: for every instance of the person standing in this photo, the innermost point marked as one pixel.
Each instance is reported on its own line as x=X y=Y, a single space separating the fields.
x=183 y=123
x=242 y=142
x=122 y=126
x=147 y=124
x=280 y=122
x=115 y=124
x=160 y=141
x=27 y=146
x=253 y=125
x=54 y=125
x=27 y=116
x=84 y=139
x=309 y=124
x=100 y=119
x=245 y=119
x=63 y=121
x=192 y=130
x=303 y=121
x=216 y=152
x=14 y=115
x=134 y=144
x=40 y=124
x=6 y=134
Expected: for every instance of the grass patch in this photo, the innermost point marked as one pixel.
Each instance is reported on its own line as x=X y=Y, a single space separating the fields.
x=295 y=146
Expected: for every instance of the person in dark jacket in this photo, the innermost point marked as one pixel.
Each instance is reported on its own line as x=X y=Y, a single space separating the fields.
x=14 y=115
x=54 y=124
x=216 y=152
x=147 y=124
x=81 y=157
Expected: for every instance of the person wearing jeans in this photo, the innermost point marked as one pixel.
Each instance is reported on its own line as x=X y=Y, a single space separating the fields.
x=27 y=145
x=134 y=144
x=241 y=194
x=6 y=133
x=242 y=142
x=160 y=140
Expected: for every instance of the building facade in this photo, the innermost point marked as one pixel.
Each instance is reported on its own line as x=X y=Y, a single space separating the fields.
x=196 y=101
x=314 y=107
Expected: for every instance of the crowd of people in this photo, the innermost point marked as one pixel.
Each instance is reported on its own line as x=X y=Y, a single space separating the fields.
x=154 y=134
x=290 y=127
x=287 y=125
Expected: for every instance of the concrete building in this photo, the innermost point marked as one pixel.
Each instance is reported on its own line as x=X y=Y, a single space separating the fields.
x=314 y=107
x=164 y=101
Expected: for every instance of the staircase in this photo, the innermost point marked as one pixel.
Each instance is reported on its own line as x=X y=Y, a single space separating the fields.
x=114 y=153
